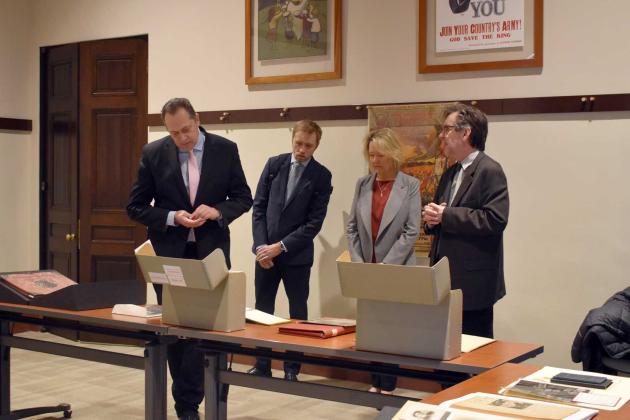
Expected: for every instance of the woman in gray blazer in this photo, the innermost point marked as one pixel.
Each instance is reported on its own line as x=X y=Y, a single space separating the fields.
x=385 y=217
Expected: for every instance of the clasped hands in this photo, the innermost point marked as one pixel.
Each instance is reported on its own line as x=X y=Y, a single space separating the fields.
x=198 y=217
x=432 y=213
x=266 y=253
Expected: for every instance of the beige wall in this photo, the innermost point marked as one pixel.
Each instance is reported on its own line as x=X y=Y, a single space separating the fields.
x=565 y=249
x=18 y=150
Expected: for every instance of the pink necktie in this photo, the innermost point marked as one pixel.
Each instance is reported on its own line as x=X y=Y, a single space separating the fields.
x=193 y=176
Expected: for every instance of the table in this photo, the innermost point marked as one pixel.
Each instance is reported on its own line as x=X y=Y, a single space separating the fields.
x=101 y=321
x=497 y=378
x=265 y=341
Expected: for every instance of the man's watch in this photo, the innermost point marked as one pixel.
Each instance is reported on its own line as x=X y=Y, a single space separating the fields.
x=282 y=247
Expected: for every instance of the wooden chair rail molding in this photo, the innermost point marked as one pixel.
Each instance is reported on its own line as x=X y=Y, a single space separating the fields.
x=14 y=124
x=508 y=106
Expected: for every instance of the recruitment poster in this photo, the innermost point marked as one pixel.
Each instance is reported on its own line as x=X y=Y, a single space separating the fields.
x=464 y=25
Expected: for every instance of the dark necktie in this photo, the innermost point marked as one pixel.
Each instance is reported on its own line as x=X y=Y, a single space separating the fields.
x=294 y=177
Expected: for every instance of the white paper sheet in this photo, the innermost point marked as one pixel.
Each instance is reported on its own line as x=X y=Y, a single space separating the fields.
x=473 y=342
x=175 y=275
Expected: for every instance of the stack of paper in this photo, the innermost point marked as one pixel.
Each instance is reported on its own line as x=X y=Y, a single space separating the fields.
x=148 y=311
x=339 y=322
x=564 y=394
x=611 y=398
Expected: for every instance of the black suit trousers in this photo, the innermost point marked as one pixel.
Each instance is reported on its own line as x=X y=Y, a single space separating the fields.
x=479 y=322
x=296 y=284
x=185 y=361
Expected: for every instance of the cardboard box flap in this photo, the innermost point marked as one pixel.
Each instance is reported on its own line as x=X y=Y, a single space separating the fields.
x=394 y=283
x=204 y=274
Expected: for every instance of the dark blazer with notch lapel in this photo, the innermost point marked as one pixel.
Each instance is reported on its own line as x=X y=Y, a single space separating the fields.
x=222 y=185
x=471 y=232
x=399 y=228
x=297 y=221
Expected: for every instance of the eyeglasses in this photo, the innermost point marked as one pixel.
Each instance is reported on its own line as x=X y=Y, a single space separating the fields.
x=446 y=129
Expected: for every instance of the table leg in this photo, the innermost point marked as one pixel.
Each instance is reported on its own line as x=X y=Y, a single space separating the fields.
x=155 y=381
x=223 y=388
x=215 y=391
x=5 y=371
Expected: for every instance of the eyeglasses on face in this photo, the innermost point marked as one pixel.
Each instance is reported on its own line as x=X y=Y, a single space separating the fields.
x=446 y=129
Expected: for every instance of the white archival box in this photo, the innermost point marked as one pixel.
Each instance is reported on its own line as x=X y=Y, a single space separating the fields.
x=404 y=309
x=206 y=294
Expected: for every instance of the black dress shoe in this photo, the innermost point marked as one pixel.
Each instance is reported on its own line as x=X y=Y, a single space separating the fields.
x=259 y=372
x=189 y=415
x=290 y=376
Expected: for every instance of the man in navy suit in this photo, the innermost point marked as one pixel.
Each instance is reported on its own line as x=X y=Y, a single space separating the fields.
x=197 y=185
x=289 y=209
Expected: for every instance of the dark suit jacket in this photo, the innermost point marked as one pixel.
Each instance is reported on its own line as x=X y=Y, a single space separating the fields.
x=471 y=232
x=222 y=185
x=297 y=221
x=605 y=332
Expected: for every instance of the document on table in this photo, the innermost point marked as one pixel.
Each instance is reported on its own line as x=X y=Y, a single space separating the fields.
x=620 y=387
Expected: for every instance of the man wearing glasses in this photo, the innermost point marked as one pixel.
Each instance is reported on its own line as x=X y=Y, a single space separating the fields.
x=469 y=216
x=197 y=185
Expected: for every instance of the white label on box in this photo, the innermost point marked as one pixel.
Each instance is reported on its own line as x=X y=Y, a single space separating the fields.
x=175 y=275
x=158 y=278
x=605 y=400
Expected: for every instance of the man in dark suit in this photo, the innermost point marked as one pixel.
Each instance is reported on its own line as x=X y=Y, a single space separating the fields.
x=198 y=187
x=289 y=209
x=468 y=223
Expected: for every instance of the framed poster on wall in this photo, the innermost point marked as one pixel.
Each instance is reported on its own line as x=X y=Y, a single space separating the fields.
x=292 y=40
x=470 y=35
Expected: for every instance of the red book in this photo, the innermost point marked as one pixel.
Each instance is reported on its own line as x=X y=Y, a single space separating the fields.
x=315 y=330
x=35 y=283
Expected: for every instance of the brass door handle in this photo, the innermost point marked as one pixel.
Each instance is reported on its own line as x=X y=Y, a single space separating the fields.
x=70 y=236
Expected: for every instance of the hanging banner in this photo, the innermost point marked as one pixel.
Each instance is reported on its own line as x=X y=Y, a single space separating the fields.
x=417 y=127
x=463 y=25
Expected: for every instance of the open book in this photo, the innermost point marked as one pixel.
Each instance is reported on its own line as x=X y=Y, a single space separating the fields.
x=260 y=317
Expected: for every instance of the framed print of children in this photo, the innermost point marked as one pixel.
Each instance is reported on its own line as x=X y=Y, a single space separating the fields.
x=291 y=28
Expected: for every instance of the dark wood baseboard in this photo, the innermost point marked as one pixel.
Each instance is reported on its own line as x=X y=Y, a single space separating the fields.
x=506 y=106
x=15 y=124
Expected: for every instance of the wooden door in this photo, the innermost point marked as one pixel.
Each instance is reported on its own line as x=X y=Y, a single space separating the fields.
x=59 y=186
x=113 y=127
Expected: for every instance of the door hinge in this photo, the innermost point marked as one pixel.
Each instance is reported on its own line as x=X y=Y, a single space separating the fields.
x=43 y=186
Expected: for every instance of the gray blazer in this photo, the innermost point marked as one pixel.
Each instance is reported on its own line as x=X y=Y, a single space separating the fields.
x=399 y=227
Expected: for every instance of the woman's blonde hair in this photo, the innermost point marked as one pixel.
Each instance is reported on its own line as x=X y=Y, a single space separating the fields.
x=387 y=140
